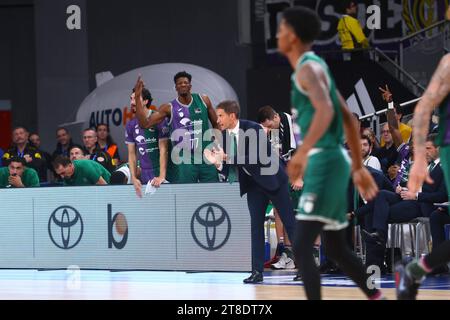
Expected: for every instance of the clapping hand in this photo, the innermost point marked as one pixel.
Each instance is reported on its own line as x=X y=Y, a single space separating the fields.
x=215 y=156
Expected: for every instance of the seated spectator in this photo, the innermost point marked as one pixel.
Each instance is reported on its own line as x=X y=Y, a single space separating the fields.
x=21 y=148
x=80 y=172
x=64 y=143
x=403 y=206
x=77 y=152
x=17 y=175
x=368 y=132
x=400 y=206
x=35 y=141
x=387 y=154
x=106 y=143
x=368 y=159
x=94 y=152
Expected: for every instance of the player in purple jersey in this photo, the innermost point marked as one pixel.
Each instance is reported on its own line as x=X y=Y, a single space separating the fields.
x=188 y=117
x=151 y=146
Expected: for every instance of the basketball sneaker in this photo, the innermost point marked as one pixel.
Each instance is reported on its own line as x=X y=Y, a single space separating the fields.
x=284 y=263
x=406 y=286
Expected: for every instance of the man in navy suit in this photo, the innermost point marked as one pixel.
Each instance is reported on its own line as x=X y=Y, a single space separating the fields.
x=247 y=156
x=404 y=205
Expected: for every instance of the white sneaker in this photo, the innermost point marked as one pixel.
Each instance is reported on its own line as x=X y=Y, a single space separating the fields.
x=281 y=264
x=284 y=263
x=290 y=264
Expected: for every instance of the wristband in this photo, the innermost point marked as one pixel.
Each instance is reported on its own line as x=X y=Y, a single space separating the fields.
x=390 y=105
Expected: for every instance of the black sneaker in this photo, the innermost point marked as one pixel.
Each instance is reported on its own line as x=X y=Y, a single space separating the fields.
x=406 y=286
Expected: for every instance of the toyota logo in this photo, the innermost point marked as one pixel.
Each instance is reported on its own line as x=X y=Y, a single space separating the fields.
x=65 y=227
x=210 y=226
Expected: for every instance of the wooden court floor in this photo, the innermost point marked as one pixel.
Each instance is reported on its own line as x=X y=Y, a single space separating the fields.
x=157 y=285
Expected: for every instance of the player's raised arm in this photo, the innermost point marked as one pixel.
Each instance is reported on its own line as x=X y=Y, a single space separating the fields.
x=142 y=113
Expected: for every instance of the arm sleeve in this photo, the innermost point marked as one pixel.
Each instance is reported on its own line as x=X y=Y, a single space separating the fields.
x=356 y=30
x=33 y=179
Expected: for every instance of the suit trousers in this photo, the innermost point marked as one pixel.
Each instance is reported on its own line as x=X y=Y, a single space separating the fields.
x=257 y=200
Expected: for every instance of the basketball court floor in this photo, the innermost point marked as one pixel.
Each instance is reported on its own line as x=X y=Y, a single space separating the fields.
x=167 y=285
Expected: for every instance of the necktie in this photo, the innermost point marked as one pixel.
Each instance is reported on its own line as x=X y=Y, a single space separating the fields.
x=232 y=173
x=431 y=167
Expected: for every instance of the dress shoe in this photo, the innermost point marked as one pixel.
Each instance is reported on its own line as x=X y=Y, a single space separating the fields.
x=374 y=236
x=255 y=277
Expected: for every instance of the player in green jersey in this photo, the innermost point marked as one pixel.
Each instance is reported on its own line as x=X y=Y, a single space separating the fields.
x=321 y=159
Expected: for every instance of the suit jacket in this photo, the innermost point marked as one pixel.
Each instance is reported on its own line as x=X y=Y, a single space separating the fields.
x=381 y=180
x=433 y=193
x=252 y=139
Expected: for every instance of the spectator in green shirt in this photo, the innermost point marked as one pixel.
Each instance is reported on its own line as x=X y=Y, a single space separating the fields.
x=17 y=175
x=80 y=172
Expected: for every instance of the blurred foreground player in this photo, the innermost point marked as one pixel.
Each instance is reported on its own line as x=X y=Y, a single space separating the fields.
x=408 y=277
x=322 y=116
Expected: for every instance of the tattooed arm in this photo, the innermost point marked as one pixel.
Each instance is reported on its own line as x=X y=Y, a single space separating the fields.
x=437 y=90
x=312 y=80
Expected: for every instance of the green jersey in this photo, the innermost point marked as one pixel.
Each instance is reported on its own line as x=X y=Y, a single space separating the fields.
x=326 y=177
x=333 y=137
x=29 y=178
x=87 y=172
